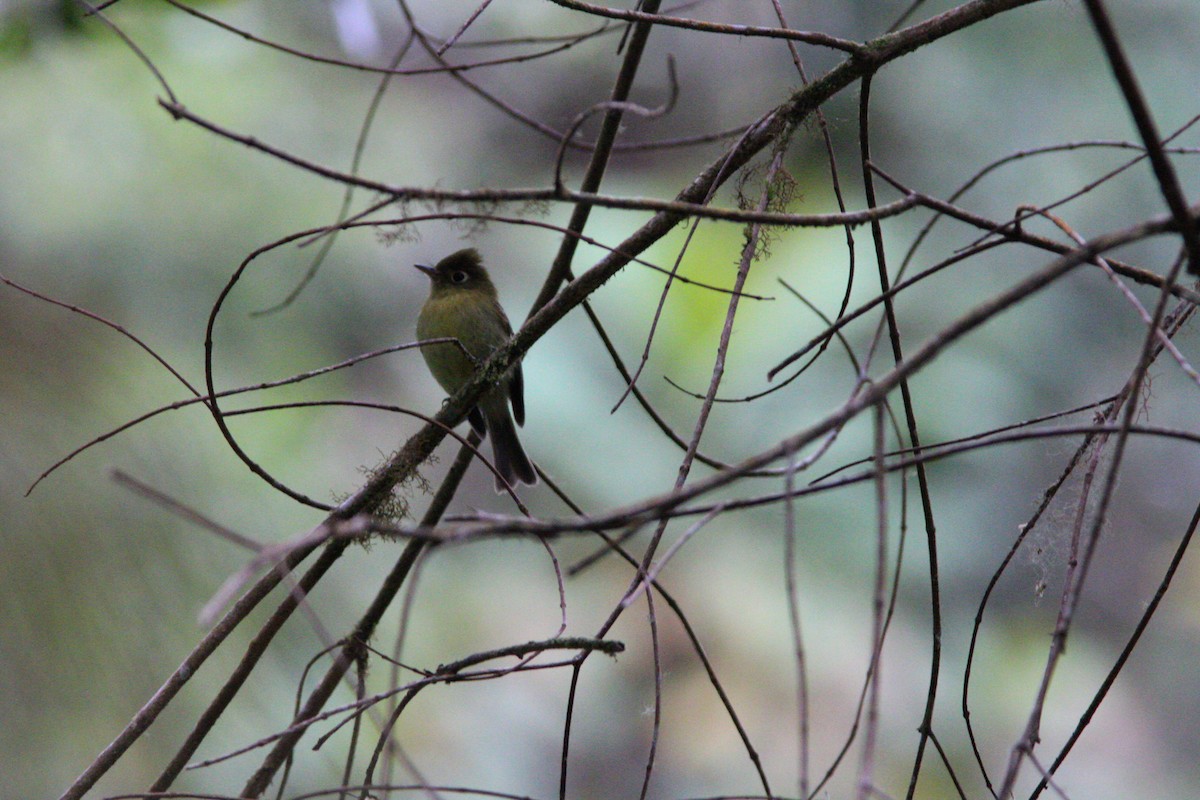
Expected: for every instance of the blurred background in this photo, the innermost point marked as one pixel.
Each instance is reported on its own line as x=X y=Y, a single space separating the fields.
x=110 y=205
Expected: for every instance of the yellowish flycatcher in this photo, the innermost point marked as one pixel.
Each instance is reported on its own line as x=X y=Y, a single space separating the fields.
x=463 y=305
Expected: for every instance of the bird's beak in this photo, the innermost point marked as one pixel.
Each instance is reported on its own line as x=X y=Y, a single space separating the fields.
x=425 y=268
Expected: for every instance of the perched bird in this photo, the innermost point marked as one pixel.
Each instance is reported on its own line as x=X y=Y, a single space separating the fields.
x=463 y=305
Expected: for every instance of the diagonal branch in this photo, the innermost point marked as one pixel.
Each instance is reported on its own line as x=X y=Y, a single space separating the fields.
x=1168 y=182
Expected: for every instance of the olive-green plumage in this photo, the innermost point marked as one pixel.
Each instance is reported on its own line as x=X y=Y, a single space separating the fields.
x=463 y=305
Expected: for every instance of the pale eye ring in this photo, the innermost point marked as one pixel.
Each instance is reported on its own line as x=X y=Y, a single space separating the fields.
x=458 y=276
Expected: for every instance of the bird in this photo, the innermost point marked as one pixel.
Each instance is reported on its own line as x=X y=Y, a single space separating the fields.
x=463 y=305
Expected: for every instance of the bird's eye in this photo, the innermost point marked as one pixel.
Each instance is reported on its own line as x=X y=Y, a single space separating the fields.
x=458 y=276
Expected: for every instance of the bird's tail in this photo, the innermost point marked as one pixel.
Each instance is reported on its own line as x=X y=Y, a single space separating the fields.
x=511 y=461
